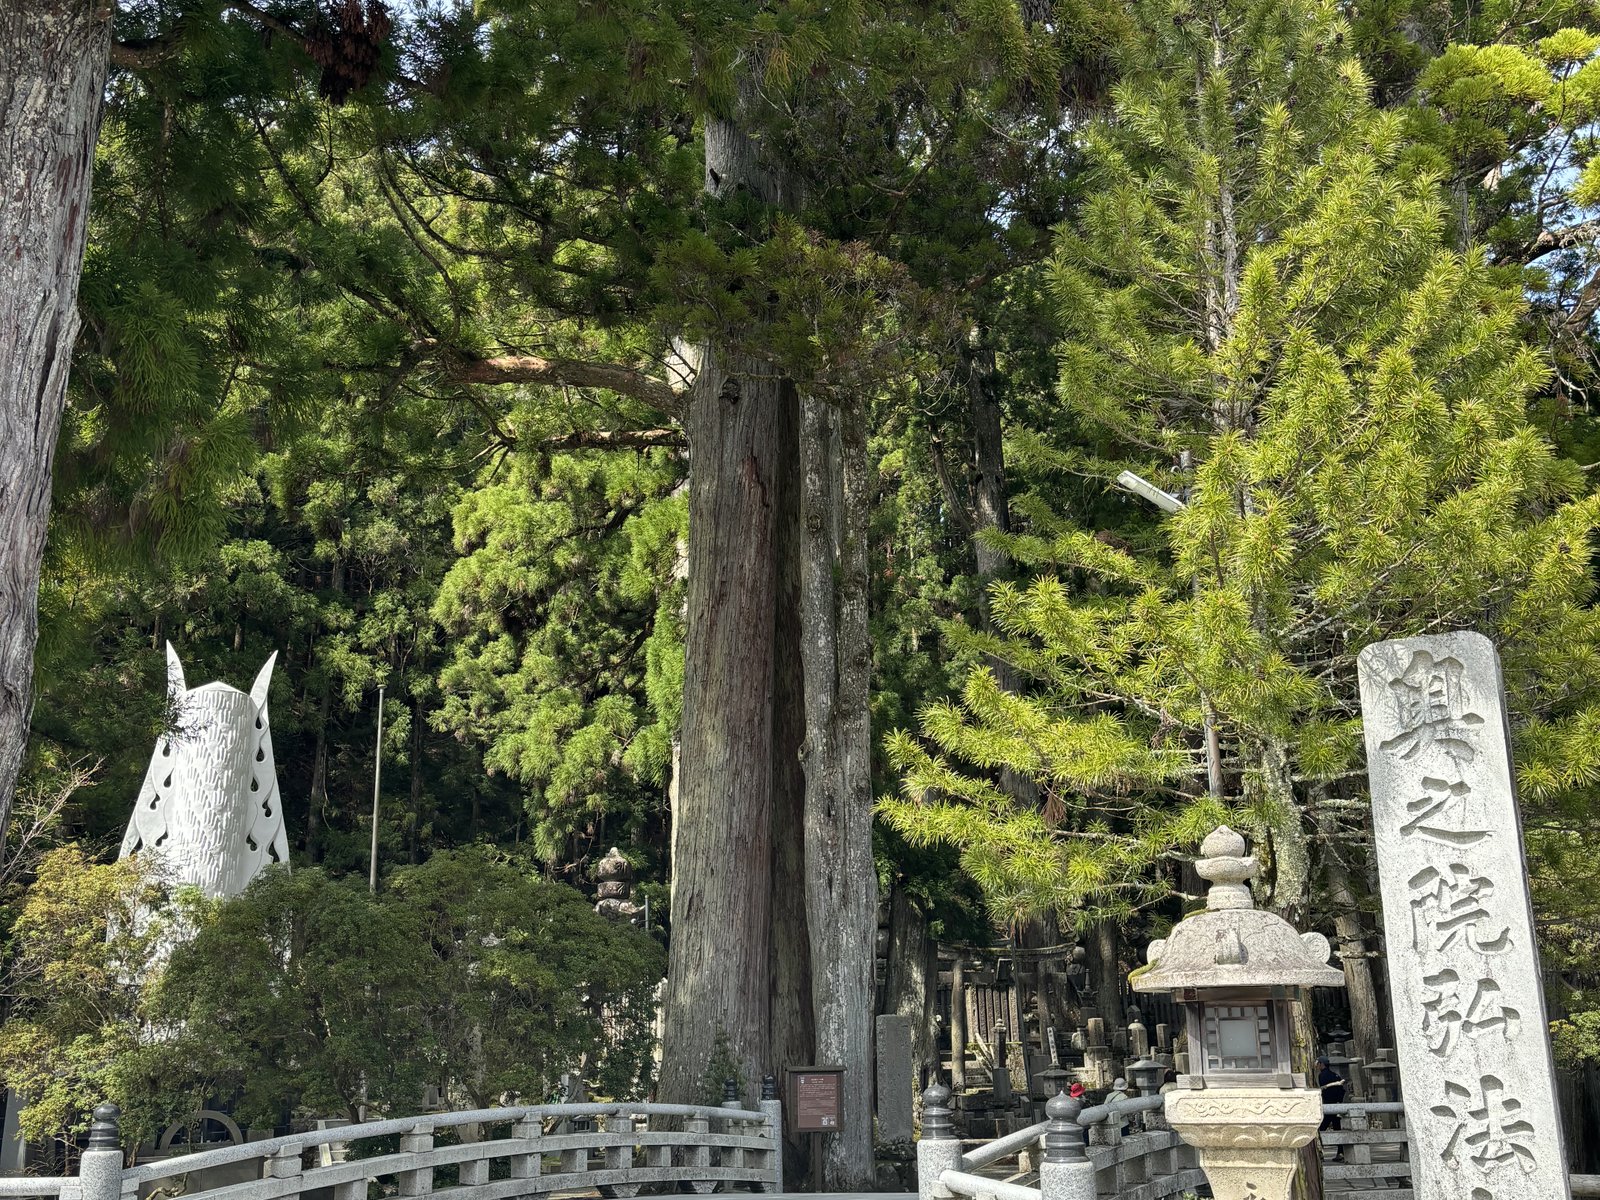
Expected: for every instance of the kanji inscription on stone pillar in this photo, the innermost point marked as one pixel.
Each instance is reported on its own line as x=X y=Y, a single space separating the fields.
x=1475 y=1066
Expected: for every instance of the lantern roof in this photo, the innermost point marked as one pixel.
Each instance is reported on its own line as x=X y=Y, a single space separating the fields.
x=1232 y=943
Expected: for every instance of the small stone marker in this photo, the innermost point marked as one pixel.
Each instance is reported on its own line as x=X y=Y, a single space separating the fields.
x=1475 y=1063
x=897 y=1088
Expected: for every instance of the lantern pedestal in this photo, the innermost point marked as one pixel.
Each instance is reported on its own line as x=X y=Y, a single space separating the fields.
x=1249 y=1138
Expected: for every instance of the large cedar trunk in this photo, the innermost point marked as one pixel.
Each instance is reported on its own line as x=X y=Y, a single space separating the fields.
x=720 y=963
x=793 y=1030
x=991 y=510
x=840 y=883
x=53 y=61
x=1105 y=962
x=719 y=959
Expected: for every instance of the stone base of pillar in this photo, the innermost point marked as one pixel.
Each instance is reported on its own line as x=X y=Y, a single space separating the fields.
x=1248 y=1138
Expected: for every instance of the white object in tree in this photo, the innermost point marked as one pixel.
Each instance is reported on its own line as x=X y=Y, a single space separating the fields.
x=209 y=804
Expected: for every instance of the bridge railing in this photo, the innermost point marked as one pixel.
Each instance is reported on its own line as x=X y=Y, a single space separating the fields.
x=1132 y=1155
x=495 y=1153
x=1123 y=1150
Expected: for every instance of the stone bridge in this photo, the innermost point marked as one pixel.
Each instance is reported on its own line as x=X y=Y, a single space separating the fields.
x=1123 y=1151
x=485 y=1154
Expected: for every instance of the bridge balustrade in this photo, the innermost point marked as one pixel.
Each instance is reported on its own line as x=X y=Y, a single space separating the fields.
x=493 y=1153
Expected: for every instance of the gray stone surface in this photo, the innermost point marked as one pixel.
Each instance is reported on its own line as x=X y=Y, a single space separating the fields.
x=1230 y=943
x=896 y=1083
x=1475 y=1060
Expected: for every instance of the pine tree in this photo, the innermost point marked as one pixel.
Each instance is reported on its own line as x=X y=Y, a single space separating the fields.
x=1260 y=279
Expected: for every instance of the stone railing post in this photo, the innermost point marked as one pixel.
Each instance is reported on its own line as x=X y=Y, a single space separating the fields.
x=100 y=1168
x=659 y=1157
x=285 y=1164
x=697 y=1155
x=1146 y=1075
x=773 y=1108
x=731 y=1156
x=1066 y=1173
x=1357 y=1152
x=619 y=1158
x=418 y=1182
x=469 y=1173
x=938 y=1150
x=526 y=1165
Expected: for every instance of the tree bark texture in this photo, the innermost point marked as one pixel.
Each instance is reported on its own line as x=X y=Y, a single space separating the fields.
x=910 y=977
x=793 y=1027
x=1105 y=960
x=840 y=882
x=53 y=63
x=720 y=965
x=719 y=959
x=1366 y=1022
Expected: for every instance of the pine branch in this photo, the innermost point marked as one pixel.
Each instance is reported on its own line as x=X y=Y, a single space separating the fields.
x=143 y=53
x=528 y=368
x=277 y=25
x=615 y=439
x=1550 y=240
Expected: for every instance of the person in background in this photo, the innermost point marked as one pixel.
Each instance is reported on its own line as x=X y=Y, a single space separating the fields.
x=1333 y=1087
x=1169 y=1082
x=1076 y=1091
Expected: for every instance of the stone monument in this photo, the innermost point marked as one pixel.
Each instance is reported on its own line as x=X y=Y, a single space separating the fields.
x=209 y=804
x=1464 y=975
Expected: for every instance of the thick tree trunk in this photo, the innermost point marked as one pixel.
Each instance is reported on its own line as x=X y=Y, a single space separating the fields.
x=1291 y=849
x=719 y=960
x=793 y=1030
x=53 y=62
x=317 y=803
x=720 y=965
x=840 y=883
x=908 y=985
x=416 y=783
x=1105 y=961
x=991 y=510
x=318 y=798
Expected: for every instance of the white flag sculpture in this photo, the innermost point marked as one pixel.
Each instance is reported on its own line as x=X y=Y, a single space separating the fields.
x=209 y=805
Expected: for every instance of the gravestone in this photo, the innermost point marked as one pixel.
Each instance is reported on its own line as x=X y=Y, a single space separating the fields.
x=896 y=1084
x=1475 y=1061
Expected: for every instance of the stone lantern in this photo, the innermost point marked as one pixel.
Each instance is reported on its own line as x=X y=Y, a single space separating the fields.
x=1238 y=971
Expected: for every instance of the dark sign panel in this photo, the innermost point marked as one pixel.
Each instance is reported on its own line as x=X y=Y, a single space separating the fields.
x=816 y=1100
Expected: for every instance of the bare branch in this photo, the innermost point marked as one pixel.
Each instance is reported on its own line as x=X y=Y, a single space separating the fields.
x=617 y=439
x=528 y=368
x=1551 y=240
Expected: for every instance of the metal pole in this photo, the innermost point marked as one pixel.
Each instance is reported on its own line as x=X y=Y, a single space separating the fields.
x=377 y=773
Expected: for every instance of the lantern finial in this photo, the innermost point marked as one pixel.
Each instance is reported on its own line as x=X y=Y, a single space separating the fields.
x=1227 y=867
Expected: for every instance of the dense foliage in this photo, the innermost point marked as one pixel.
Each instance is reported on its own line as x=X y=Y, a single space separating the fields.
x=384 y=366
x=311 y=995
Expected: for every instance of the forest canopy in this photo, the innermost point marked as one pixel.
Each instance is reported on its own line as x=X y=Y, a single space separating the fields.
x=703 y=426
